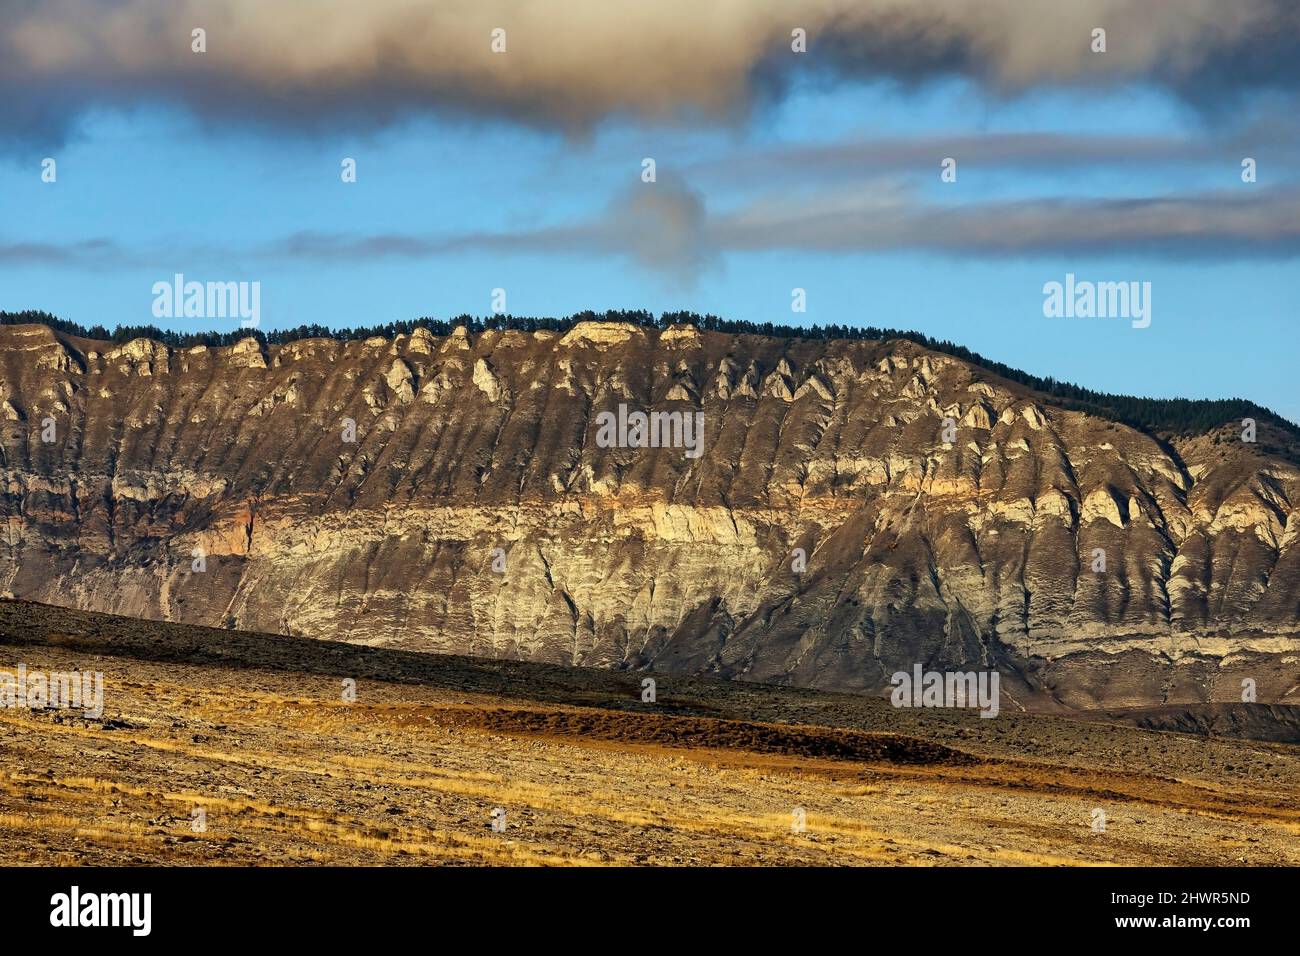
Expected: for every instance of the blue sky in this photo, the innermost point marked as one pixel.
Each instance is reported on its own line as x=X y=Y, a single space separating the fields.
x=833 y=186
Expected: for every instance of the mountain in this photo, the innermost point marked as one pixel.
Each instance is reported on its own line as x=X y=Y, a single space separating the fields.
x=217 y=486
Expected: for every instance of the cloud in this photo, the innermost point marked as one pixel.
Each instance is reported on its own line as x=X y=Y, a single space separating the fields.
x=826 y=162
x=1263 y=225
x=663 y=227
x=87 y=253
x=571 y=63
x=660 y=226
x=668 y=230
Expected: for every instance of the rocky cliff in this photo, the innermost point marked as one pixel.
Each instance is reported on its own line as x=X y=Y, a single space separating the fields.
x=450 y=494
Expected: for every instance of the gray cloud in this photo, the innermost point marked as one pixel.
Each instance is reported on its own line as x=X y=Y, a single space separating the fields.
x=670 y=231
x=87 y=253
x=826 y=162
x=571 y=63
x=666 y=228
x=661 y=226
x=1223 y=225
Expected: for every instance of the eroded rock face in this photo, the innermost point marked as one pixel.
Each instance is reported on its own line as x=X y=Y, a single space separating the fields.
x=973 y=553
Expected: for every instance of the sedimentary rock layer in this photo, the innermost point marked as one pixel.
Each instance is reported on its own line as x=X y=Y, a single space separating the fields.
x=219 y=486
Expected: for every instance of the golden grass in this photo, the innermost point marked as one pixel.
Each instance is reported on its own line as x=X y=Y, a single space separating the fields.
x=322 y=779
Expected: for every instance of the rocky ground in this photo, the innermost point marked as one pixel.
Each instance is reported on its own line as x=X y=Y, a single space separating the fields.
x=255 y=731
